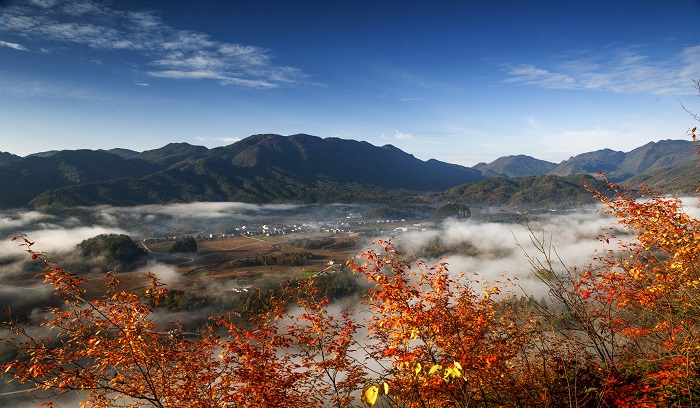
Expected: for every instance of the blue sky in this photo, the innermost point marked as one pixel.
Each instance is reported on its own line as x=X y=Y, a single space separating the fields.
x=459 y=81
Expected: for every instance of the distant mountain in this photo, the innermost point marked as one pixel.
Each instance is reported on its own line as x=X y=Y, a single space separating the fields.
x=26 y=178
x=679 y=179
x=47 y=153
x=6 y=157
x=311 y=158
x=657 y=155
x=619 y=166
x=270 y=168
x=172 y=153
x=606 y=160
x=125 y=153
x=302 y=168
x=538 y=191
x=515 y=166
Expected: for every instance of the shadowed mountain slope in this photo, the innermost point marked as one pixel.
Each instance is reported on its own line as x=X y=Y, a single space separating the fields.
x=270 y=168
x=515 y=166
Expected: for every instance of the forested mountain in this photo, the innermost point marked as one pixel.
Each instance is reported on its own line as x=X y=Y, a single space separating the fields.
x=311 y=159
x=302 y=168
x=548 y=190
x=24 y=179
x=619 y=166
x=515 y=166
x=125 y=153
x=172 y=153
x=263 y=168
x=8 y=157
x=679 y=179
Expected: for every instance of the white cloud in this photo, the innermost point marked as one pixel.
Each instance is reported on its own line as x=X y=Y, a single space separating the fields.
x=403 y=136
x=211 y=210
x=573 y=236
x=23 y=88
x=228 y=139
x=620 y=70
x=167 y=274
x=174 y=53
x=531 y=75
x=56 y=240
x=15 y=46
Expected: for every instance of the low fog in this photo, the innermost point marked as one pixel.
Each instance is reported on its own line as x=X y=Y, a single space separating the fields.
x=573 y=234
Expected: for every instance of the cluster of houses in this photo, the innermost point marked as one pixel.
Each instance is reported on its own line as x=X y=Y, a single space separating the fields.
x=352 y=222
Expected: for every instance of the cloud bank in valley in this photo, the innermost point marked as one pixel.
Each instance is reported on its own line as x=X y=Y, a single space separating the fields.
x=574 y=235
x=501 y=247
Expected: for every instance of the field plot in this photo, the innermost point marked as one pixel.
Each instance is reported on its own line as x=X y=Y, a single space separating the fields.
x=222 y=259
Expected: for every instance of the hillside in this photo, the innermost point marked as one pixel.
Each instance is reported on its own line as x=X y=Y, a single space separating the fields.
x=537 y=191
x=270 y=168
x=33 y=175
x=515 y=166
x=171 y=153
x=680 y=179
x=301 y=168
x=619 y=166
x=8 y=157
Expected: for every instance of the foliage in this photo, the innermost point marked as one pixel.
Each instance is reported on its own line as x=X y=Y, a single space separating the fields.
x=623 y=331
x=278 y=258
x=437 y=248
x=650 y=301
x=338 y=284
x=113 y=247
x=456 y=210
x=534 y=191
x=178 y=300
x=184 y=245
x=309 y=243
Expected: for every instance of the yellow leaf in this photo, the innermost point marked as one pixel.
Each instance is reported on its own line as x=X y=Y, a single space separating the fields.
x=453 y=372
x=386 y=388
x=370 y=394
x=434 y=368
x=417 y=368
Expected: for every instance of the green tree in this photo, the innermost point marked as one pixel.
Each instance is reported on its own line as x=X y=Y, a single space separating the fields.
x=184 y=245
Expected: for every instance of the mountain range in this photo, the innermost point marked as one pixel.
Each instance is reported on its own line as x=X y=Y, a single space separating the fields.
x=302 y=168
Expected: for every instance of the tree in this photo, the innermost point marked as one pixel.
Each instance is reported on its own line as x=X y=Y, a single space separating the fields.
x=117 y=250
x=184 y=245
x=453 y=210
x=110 y=348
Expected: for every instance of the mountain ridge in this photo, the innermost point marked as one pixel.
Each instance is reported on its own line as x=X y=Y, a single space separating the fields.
x=304 y=168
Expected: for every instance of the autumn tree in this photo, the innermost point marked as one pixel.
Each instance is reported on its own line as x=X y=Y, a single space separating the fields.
x=110 y=348
x=443 y=339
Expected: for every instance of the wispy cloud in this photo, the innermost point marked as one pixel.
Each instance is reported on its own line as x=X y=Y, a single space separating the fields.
x=620 y=70
x=228 y=140
x=174 y=53
x=32 y=88
x=12 y=45
x=403 y=136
